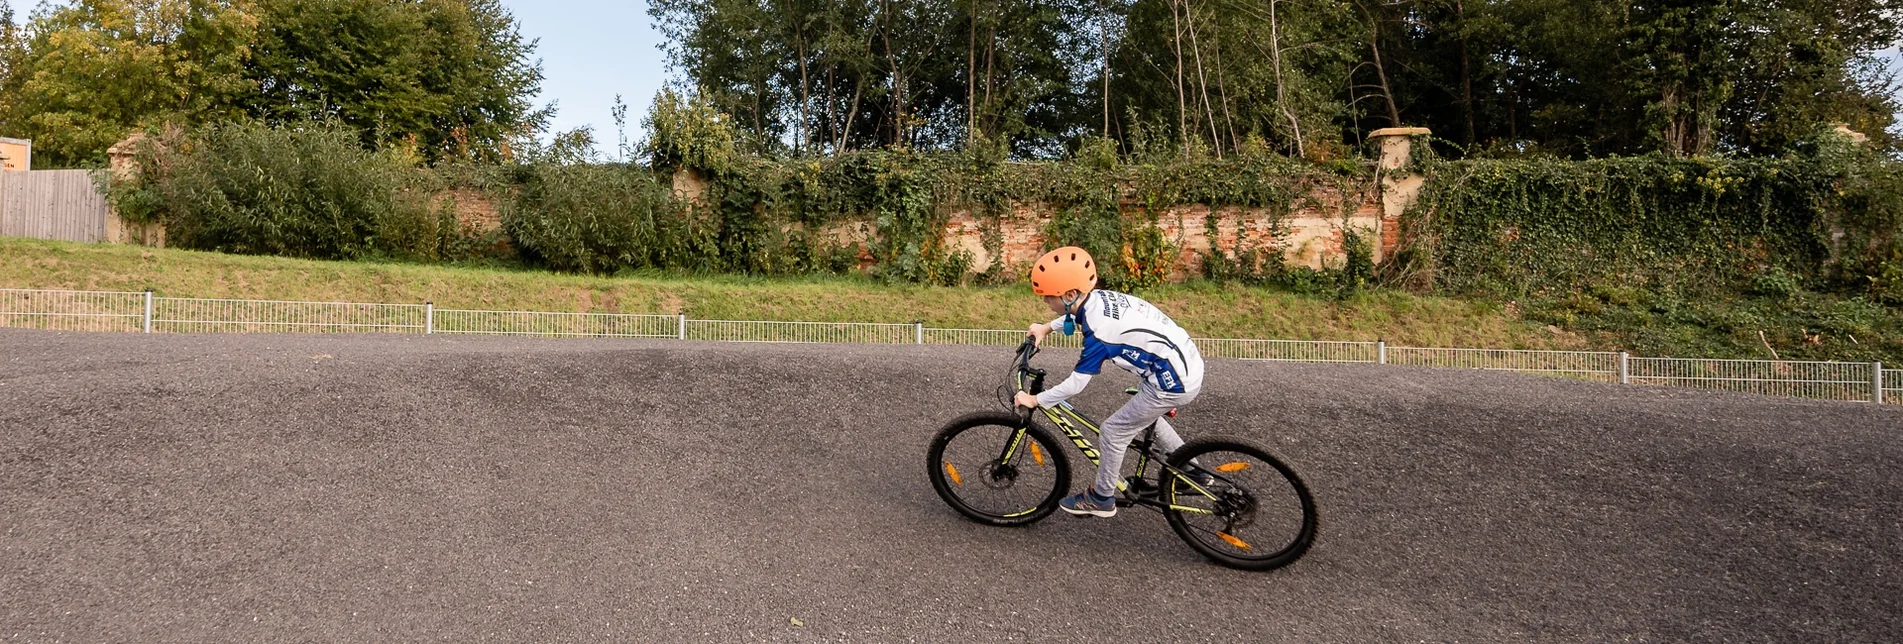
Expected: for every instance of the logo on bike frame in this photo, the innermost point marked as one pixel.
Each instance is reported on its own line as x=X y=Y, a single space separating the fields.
x=1076 y=437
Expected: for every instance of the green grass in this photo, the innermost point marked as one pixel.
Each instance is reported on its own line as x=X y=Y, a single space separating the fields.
x=1793 y=325
x=1207 y=310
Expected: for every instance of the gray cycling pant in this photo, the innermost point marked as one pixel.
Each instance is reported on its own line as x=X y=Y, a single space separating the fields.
x=1149 y=405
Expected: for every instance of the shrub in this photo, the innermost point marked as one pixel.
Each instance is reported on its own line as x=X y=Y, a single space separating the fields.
x=602 y=219
x=307 y=192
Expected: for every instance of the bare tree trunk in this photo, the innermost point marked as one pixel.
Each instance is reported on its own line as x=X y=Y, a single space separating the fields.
x=828 y=119
x=991 y=58
x=1202 y=80
x=1182 y=102
x=1676 y=130
x=1281 y=93
x=1466 y=73
x=845 y=134
x=799 y=42
x=1222 y=90
x=1380 y=69
x=971 y=77
x=1104 y=35
x=1513 y=125
x=898 y=76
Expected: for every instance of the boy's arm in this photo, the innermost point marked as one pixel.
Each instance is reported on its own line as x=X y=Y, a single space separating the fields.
x=1038 y=331
x=1088 y=364
x=1064 y=390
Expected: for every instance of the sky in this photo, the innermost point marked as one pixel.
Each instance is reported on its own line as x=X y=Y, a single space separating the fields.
x=592 y=50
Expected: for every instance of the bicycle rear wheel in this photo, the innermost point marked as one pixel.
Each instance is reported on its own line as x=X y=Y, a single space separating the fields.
x=995 y=472
x=1255 y=514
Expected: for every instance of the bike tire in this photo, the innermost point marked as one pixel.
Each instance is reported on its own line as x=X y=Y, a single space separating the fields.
x=1272 y=488
x=949 y=480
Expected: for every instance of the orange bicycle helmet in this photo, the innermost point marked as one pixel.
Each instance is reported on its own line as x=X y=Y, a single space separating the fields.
x=1062 y=271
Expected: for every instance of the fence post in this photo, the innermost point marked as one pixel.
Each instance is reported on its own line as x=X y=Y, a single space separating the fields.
x=680 y=326
x=148 y=311
x=1876 y=380
x=1625 y=368
x=919 y=331
x=1380 y=351
x=429 y=318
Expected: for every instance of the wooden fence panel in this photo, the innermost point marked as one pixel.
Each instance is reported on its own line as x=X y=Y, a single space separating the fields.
x=52 y=204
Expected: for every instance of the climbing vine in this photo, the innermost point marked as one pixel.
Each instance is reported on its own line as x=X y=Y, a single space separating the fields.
x=1537 y=226
x=891 y=208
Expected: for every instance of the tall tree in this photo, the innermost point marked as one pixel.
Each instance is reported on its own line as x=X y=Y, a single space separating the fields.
x=455 y=76
x=84 y=75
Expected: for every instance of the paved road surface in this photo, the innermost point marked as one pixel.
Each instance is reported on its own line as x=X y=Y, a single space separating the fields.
x=371 y=489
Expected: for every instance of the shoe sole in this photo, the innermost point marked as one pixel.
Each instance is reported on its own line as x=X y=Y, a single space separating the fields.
x=1090 y=513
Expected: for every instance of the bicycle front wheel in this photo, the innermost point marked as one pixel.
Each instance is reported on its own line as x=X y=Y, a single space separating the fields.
x=1243 y=508
x=996 y=472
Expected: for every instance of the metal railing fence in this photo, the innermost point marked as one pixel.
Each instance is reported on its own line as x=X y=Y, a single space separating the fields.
x=802 y=332
x=1290 y=350
x=995 y=337
x=1855 y=381
x=535 y=323
x=194 y=315
x=1586 y=365
x=105 y=311
x=74 y=310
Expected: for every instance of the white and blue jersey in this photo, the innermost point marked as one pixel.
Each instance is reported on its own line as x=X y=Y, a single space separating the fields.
x=1125 y=330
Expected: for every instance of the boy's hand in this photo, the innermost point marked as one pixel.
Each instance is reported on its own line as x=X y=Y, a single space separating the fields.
x=1038 y=331
x=1026 y=400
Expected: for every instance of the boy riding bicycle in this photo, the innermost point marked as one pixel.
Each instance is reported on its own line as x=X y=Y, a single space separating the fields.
x=1129 y=332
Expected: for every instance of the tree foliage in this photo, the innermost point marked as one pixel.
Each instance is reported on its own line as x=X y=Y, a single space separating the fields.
x=452 y=78
x=1187 y=77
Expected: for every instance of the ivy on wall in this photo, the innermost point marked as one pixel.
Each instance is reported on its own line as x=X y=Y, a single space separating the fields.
x=768 y=209
x=1828 y=218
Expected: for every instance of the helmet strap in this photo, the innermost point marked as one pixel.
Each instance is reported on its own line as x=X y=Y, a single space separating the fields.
x=1070 y=302
x=1070 y=319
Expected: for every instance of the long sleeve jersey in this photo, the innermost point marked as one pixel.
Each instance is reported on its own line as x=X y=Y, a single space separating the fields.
x=1133 y=334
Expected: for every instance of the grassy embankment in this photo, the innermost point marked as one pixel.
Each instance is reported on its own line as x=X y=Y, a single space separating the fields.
x=1207 y=310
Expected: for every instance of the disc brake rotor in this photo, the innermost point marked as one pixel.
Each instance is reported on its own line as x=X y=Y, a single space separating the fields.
x=999 y=476
x=1237 y=508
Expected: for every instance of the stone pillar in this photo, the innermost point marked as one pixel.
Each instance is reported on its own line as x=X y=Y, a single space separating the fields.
x=124 y=167
x=1400 y=185
x=1848 y=140
x=690 y=186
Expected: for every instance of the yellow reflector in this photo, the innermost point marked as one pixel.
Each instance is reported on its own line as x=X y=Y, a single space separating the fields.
x=1037 y=454
x=1234 y=541
x=953 y=471
x=1228 y=468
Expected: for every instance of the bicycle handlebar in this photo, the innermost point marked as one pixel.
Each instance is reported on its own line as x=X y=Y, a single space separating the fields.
x=1026 y=349
x=1023 y=369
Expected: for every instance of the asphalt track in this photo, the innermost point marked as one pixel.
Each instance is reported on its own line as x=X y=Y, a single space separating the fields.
x=372 y=489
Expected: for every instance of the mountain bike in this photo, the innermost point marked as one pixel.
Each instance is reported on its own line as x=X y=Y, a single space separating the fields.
x=1228 y=498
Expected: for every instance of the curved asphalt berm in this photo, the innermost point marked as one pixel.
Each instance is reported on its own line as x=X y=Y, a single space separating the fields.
x=369 y=489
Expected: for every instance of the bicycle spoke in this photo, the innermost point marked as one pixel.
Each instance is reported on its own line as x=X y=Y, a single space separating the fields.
x=1250 y=512
x=998 y=471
